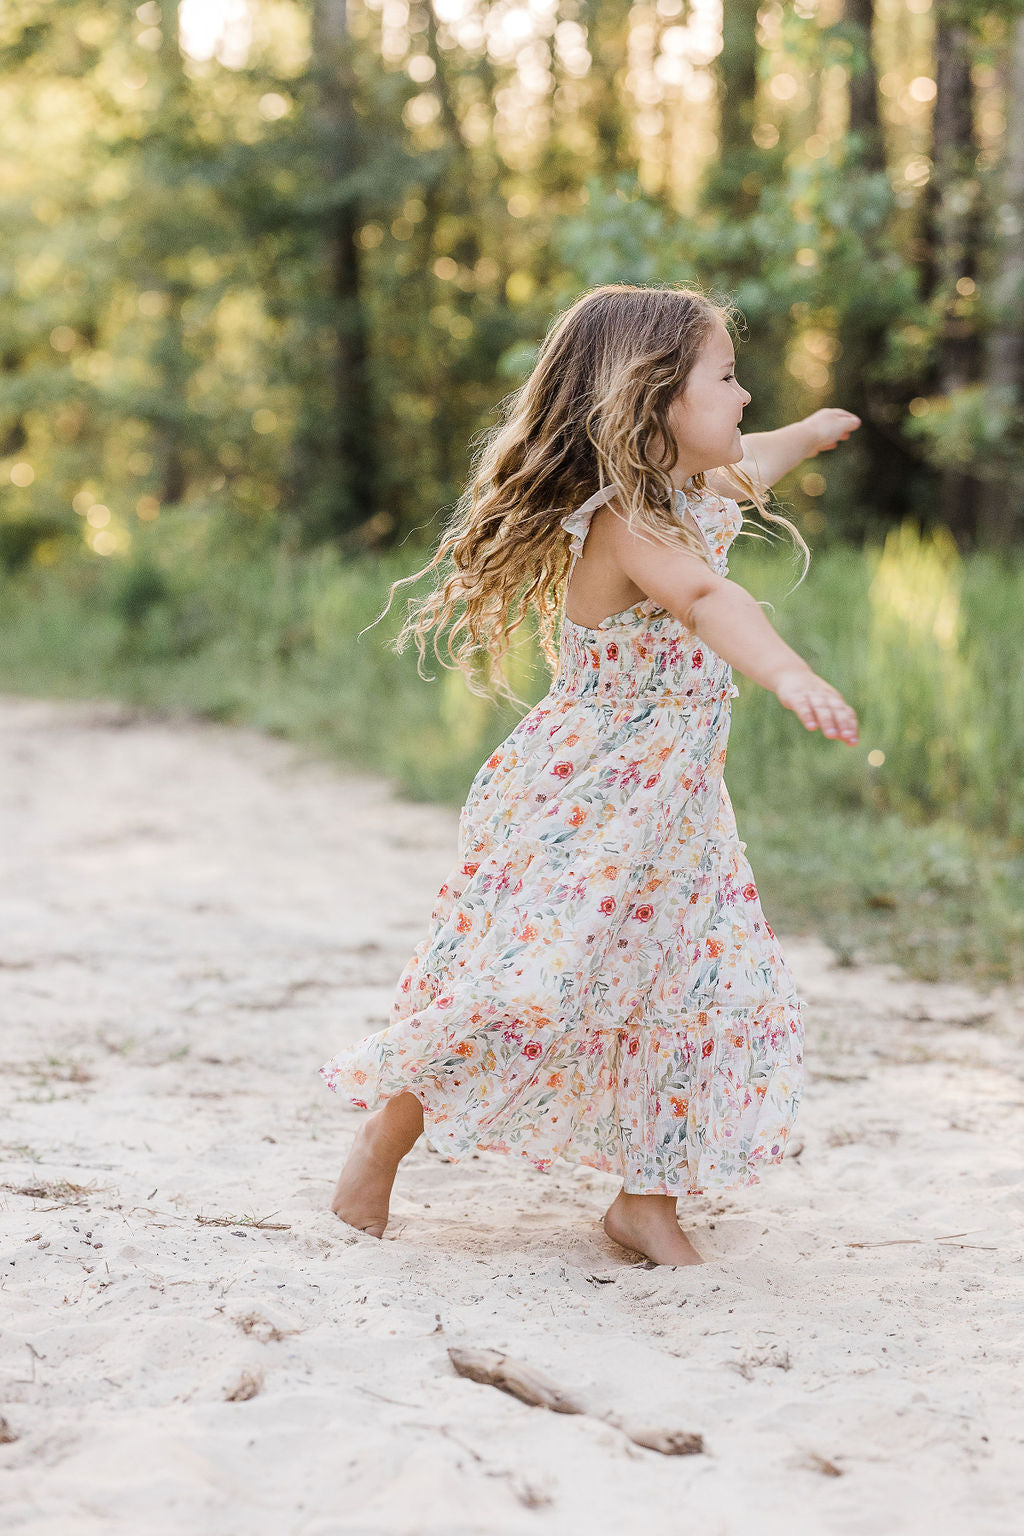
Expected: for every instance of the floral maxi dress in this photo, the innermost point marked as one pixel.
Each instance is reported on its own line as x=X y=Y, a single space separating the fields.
x=598 y=982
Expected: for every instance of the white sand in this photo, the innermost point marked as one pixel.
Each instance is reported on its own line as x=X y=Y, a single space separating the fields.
x=194 y=918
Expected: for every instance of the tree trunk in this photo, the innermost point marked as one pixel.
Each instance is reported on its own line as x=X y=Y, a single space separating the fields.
x=607 y=24
x=949 y=246
x=863 y=88
x=736 y=73
x=349 y=495
x=880 y=466
x=1001 y=502
x=171 y=358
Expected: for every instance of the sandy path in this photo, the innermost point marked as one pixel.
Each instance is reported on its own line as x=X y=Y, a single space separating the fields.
x=193 y=919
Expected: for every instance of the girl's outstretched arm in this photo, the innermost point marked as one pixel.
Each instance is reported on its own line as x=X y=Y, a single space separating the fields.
x=767 y=456
x=732 y=623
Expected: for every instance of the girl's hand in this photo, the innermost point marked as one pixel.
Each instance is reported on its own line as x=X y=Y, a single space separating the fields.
x=827 y=427
x=816 y=703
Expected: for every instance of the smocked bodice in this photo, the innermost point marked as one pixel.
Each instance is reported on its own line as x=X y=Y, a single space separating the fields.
x=645 y=652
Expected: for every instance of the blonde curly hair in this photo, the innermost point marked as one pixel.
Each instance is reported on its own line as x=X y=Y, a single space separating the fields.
x=593 y=412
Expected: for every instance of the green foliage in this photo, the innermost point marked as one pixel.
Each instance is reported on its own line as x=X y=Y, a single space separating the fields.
x=172 y=325
x=979 y=427
x=920 y=851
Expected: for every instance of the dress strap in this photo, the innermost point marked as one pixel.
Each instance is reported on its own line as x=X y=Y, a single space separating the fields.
x=683 y=508
x=577 y=523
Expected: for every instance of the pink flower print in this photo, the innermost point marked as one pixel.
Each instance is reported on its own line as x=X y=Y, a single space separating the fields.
x=561 y=770
x=633 y=1046
x=750 y=892
x=643 y=914
x=532 y=1048
x=611 y=650
x=652 y=781
x=698 y=658
x=608 y=905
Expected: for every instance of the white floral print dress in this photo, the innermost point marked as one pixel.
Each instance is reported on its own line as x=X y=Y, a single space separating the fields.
x=598 y=981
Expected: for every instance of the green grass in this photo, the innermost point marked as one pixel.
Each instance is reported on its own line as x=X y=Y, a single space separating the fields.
x=914 y=854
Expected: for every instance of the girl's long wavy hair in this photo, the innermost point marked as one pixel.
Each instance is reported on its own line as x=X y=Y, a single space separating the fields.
x=593 y=412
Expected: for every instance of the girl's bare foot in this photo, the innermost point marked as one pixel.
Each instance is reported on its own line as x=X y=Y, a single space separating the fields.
x=363 y=1193
x=647 y=1224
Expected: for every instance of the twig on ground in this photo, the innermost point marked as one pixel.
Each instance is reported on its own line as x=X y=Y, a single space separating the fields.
x=263 y=1222
x=61 y=1190
x=493 y=1369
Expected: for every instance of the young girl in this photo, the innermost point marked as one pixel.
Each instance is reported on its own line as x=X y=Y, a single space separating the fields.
x=598 y=981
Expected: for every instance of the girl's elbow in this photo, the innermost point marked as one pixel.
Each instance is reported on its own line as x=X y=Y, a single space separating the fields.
x=701 y=601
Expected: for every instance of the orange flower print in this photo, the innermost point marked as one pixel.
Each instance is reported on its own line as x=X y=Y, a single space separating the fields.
x=697 y=659
x=464 y=923
x=578 y=817
x=714 y=948
x=750 y=892
x=608 y=905
x=645 y=913
x=679 y=1106
x=561 y=770
x=470 y=869
x=556 y=1080
x=633 y=1046
x=652 y=781
x=532 y=1048
x=528 y=931
x=359 y=1077
x=610 y=871
x=571 y=741
x=492 y=762
x=707 y=1047
x=465 y=1048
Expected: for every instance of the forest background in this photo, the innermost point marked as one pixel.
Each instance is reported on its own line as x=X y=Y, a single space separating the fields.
x=270 y=267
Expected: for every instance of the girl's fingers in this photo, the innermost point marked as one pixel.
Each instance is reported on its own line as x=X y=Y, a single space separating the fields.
x=831 y=713
x=837 y=722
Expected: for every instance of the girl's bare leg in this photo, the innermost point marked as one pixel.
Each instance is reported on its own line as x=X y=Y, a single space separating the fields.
x=363 y=1191
x=647 y=1224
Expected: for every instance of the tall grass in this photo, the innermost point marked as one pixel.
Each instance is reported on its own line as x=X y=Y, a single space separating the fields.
x=909 y=845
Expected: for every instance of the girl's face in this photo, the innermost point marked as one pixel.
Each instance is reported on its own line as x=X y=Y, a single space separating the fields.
x=705 y=417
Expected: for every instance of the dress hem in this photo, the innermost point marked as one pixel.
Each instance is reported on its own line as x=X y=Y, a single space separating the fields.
x=548 y=1164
